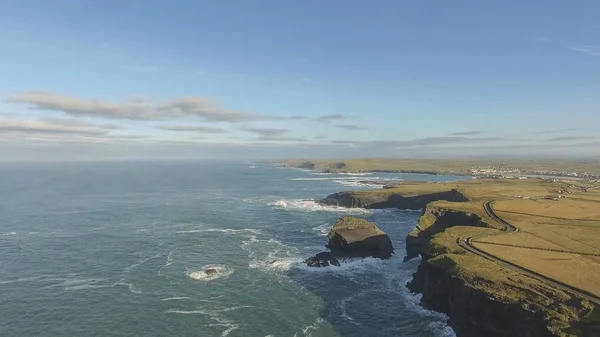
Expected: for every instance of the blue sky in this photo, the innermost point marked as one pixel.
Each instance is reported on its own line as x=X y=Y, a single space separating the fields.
x=87 y=79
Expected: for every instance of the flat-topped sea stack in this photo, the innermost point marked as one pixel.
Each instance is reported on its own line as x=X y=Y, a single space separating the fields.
x=355 y=237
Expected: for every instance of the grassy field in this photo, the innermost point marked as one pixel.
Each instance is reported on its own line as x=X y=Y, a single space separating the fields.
x=558 y=238
x=573 y=269
x=445 y=166
x=564 y=231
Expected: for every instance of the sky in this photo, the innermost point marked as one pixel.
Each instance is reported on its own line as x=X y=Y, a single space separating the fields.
x=148 y=79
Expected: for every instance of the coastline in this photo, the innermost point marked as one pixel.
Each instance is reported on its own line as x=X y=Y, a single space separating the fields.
x=583 y=170
x=481 y=297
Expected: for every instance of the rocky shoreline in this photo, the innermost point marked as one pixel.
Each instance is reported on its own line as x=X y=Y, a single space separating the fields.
x=480 y=297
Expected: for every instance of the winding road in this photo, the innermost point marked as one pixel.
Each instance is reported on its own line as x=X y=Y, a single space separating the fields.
x=508 y=228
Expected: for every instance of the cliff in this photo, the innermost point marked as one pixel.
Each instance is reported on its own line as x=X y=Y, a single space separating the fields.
x=435 y=220
x=483 y=298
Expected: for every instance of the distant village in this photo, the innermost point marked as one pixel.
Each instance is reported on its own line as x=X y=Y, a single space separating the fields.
x=499 y=172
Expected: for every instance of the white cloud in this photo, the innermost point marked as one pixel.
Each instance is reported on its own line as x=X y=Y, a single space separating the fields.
x=29 y=127
x=133 y=109
x=268 y=132
x=352 y=127
x=193 y=128
x=587 y=49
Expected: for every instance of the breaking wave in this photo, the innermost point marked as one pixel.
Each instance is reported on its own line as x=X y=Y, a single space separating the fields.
x=310 y=205
x=357 y=183
x=215 y=315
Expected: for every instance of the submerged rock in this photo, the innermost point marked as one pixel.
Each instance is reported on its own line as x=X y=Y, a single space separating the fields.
x=211 y=271
x=355 y=237
x=323 y=259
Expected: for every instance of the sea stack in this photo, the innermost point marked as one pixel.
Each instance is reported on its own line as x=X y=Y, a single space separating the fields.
x=355 y=237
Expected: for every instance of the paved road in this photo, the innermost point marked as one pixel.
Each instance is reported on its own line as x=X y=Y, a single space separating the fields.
x=507 y=229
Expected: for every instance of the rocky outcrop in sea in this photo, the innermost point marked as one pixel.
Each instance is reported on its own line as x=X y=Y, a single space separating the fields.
x=355 y=238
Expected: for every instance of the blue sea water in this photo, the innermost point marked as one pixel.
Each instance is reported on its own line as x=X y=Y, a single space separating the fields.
x=120 y=249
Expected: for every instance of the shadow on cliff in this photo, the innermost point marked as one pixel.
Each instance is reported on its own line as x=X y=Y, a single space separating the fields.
x=444 y=219
x=418 y=202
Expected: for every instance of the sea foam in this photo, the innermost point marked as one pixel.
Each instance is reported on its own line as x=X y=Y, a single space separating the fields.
x=309 y=205
x=201 y=275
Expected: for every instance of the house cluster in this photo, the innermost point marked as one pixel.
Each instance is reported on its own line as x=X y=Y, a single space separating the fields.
x=500 y=172
x=583 y=175
x=493 y=170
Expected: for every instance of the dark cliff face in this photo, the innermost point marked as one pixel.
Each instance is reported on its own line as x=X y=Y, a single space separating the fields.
x=377 y=246
x=474 y=313
x=390 y=199
x=355 y=237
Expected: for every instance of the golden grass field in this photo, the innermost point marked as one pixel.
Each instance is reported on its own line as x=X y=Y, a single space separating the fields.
x=566 y=232
x=573 y=269
x=560 y=239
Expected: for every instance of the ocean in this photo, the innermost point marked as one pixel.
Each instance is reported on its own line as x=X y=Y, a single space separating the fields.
x=120 y=249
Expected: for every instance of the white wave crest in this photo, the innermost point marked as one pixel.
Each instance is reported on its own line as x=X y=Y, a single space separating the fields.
x=202 y=275
x=214 y=315
x=168 y=262
x=342 y=173
x=308 y=205
x=275 y=265
x=85 y=284
x=9 y=233
x=329 y=178
x=185 y=312
x=343 y=304
x=222 y=230
x=270 y=254
x=42 y=278
x=358 y=174
x=141 y=262
x=132 y=288
x=82 y=284
x=351 y=266
x=357 y=183
x=312 y=327
x=323 y=229
x=311 y=179
x=176 y=298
